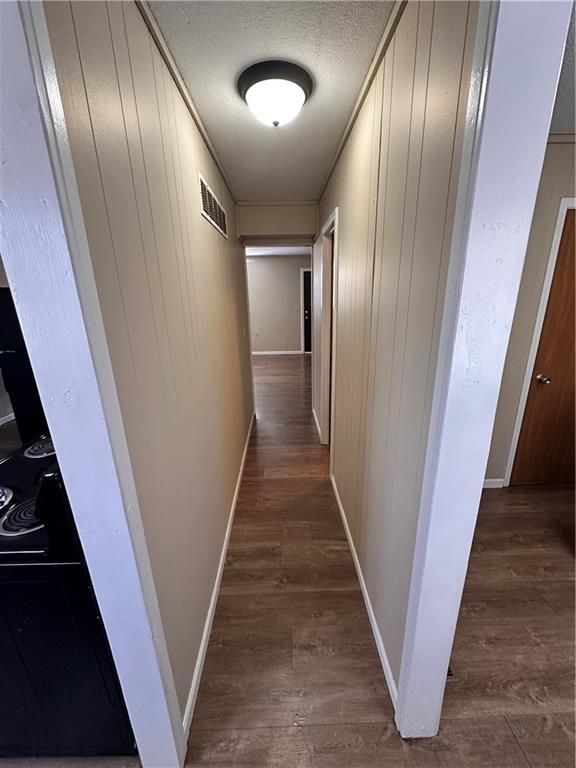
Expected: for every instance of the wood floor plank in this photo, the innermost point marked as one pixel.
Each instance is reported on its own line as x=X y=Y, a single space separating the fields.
x=526 y=686
x=248 y=748
x=546 y=740
x=538 y=639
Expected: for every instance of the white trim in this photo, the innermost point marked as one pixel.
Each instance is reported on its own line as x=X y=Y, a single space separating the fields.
x=302 y=344
x=332 y=225
x=373 y=623
x=503 y=153
x=497 y=482
x=71 y=363
x=6 y=419
x=275 y=203
x=191 y=701
x=249 y=331
x=566 y=203
x=280 y=352
x=317 y=424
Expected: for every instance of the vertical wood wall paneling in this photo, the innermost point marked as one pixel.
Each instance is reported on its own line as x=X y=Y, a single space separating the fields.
x=388 y=318
x=180 y=354
x=353 y=186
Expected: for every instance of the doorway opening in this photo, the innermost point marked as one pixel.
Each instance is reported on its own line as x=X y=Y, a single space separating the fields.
x=279 y=301
x=306 y=310
x=324 y=272
x=516 y=619
x=542 y=449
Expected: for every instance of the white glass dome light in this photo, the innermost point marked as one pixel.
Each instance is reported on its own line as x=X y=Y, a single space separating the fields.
x=275 y=102
x=275 y=91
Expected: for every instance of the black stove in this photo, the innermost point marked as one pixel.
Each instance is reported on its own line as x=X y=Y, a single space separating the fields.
x=20 y=519
x=42 y=448
x=22 y=475
x=59 y=692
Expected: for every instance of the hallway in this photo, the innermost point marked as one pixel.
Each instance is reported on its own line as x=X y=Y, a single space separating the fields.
x=292 y=673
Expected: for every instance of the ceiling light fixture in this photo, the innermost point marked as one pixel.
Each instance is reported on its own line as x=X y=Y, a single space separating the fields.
x=275 y=91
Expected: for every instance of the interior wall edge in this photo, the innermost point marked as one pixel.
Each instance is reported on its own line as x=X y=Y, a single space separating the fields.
x=75 y=378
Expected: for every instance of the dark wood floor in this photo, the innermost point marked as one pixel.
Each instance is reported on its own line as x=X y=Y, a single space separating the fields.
x=292 y=678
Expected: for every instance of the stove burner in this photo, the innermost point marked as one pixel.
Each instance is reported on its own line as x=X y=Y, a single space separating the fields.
x=40 y=449
x=20 y=519
x=5 y=497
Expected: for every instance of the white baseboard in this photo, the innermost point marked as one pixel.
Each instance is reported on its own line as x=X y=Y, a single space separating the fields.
x=6 y=419
x=276 y=352
x=375 y=631
x=189 y=711
x=497 y=482
x=317 y=424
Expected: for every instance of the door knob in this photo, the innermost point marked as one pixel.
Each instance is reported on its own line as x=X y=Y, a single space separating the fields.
x=541 y=378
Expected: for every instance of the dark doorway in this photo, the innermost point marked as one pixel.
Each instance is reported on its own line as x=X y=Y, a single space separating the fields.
x=307 y=310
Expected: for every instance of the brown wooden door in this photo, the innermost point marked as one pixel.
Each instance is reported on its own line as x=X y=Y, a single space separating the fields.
x=545 y=452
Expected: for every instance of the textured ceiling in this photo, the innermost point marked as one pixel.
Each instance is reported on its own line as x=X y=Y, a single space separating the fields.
x=563 y=119
x=212 y=42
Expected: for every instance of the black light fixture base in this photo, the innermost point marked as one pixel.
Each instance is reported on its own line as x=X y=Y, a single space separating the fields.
x=274 y=70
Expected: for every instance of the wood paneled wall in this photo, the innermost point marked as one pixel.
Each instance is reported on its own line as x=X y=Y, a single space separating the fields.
x=395 y=186
x=173 y=297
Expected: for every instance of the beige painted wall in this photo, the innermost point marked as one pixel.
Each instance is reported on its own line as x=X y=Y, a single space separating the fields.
x=557 y=181
x=278 y=220
x=173 y=298
x=275 y=312
x=395 y=186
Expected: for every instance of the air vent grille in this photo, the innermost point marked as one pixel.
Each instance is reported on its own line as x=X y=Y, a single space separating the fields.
x=211 y=208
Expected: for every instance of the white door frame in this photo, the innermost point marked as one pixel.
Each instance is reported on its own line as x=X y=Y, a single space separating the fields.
x=46 y=255
x=249 y=331
x=331 y=226
x=302 y=344
x=503 y=156
x=566 y=204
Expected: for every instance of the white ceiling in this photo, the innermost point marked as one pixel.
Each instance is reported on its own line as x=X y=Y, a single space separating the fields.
x=563 y=119
x=280 y=250
x=213 y=42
